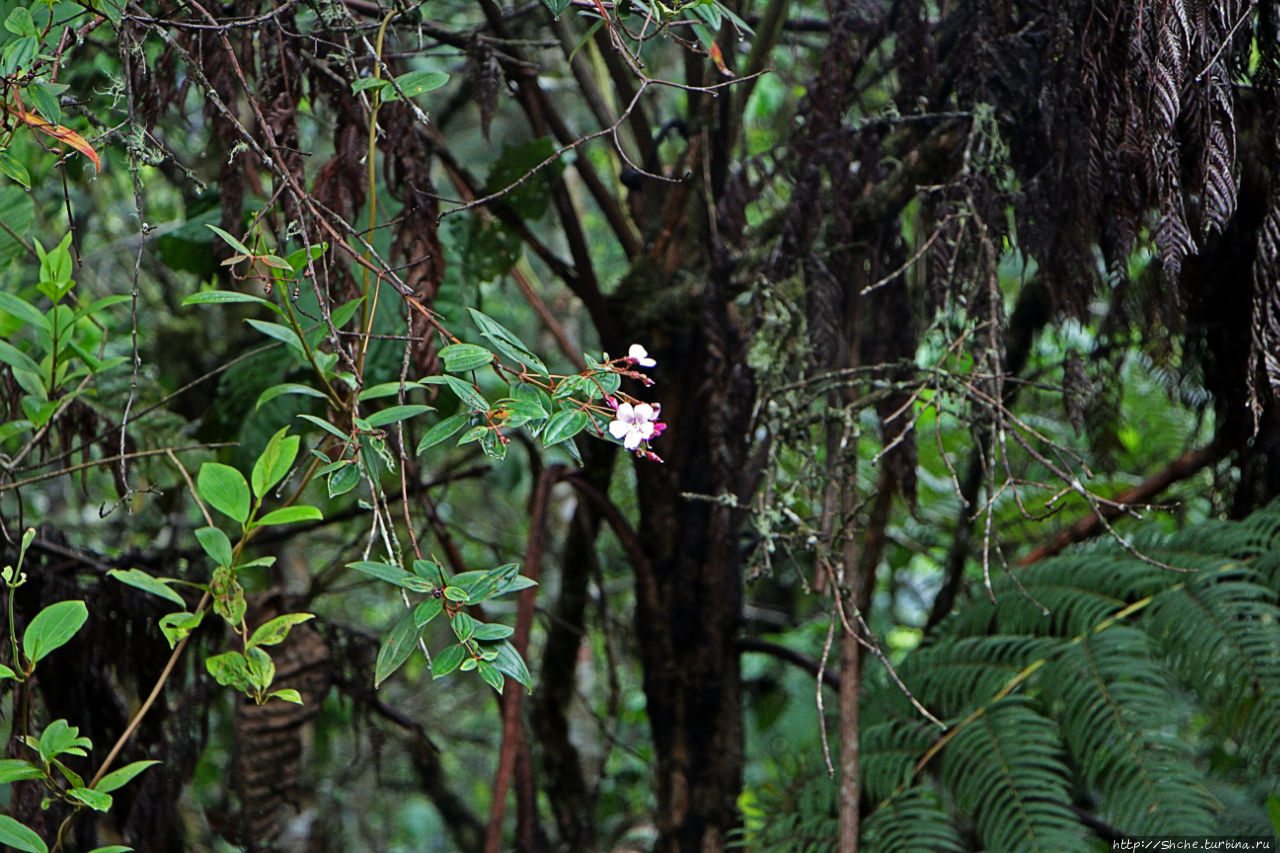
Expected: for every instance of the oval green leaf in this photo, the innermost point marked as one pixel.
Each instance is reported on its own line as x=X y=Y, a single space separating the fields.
x=396 y=648
x=448 y=660
x=225 y=489
x=145 y=582
x=276 y=630
x=290 y=515
x=119 y=778
x=564 y=424
x=460 y=358
x=396 y=413
x=442 y=430
x=52 y=628
x=20 y=837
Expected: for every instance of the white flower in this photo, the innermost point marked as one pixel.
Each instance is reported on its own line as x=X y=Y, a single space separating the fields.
x=633 y=425
x=639 y=355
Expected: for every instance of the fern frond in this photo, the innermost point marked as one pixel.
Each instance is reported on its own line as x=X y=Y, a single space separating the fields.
x=1117 y=709
x=953 y=677
x=1006 y=771
x=889 y=752
x=914 y=821
x=1221 y=635
x=1078 y=591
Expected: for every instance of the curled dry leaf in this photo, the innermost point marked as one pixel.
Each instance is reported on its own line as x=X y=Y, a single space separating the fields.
x=62 y=134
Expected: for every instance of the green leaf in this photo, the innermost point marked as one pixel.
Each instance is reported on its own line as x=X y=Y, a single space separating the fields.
x=376 y=83
x=521 y=412
x=145 y=582
x=427 y=610
x=463 y=626
x=428 y=569
x=506 y=341
x=113 y=848
x=396 y=647
x=276 y=630
x=489 y=632
x=572 y=385
x=12 y=428
x=216 y=544
x=20 y=837
x=466 y=392
x=218 y=297
x=493 y=445
x=113 y=11
x=393 y=414
x=175 y=626
x=15 y=769
x=510 y=662
x=19 y=22
x=483 y=585
x=281 y=333
x=18 y=55
x=7 y=672
x=564 y=424
x=454 y=593
x=473 y=434
x=557 y=7
x=344 y=480
x=228 y=595
x=52 y=627
x=414 y=83
x=326 y=426
x=225 y=489
x=447 y=661
x=18 y=359
x=44 y=97
x=287 y=388
x=275 y=262
x=230 y=241
x=119 y=778
x=23 y=310
x=460 y=358
x=290 y=515
x=262 y=670
x=491 y=675
x=529 y=196
x=230 y=670
x=393 y=574
x=443 y=430
x=386 y=389
x=61 y=738
x=274 y=462
x=15 y=170
x=341 y=315
x=288 y=694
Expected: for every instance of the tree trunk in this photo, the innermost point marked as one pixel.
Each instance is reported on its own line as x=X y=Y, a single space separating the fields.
x=689 y=594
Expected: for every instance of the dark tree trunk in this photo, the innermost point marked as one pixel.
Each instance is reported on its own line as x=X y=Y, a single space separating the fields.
x=689 y=592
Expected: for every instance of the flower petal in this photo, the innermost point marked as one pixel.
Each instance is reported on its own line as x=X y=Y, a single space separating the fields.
x=645 y=413
x=618 y=429
x=640 y=356
x=632 y=441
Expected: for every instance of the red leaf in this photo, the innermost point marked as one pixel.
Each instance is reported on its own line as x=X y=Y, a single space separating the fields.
x=718 y=58
x=62 y=134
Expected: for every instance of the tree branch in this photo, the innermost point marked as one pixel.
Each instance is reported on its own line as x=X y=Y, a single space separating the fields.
x=1091 y=525
x=808 y=663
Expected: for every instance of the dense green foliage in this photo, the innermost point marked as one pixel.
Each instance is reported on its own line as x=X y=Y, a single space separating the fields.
x=1100 y=682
